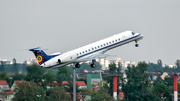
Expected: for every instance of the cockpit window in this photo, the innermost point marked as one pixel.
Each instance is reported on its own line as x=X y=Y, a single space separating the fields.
x=133 y=33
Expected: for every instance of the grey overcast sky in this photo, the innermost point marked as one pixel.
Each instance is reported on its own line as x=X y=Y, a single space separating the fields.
x=62 y=25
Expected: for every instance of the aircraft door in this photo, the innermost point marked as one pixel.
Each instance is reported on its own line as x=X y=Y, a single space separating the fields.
x=123 y=37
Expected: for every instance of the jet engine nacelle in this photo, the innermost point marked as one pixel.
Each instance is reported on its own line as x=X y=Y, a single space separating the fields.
x=67 y=57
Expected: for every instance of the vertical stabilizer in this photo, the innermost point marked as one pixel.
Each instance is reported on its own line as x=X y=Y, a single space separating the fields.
x=40 y=55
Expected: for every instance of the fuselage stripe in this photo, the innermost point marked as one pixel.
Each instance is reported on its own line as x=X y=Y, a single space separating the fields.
x=109 y=46
x=102 y=48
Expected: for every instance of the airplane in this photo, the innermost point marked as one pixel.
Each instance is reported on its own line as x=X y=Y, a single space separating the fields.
x=91 y=51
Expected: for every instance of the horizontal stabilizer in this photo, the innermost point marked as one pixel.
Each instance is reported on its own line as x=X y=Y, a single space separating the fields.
x=36 y=49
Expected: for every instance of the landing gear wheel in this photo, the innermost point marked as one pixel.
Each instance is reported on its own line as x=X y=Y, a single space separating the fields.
x=137 y=45
x=77 y=65
x=93 y=65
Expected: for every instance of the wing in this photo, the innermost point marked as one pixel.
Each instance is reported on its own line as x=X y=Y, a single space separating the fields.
x=99 y=56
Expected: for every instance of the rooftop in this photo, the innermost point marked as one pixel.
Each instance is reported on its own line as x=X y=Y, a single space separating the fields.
x=3 y=82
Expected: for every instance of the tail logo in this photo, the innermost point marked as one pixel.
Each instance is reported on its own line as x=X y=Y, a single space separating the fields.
x=39 y=58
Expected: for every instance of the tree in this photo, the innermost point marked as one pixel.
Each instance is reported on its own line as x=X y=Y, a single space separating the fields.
x=15 y=67
x=19 y=77
x=158 y=80
x=162 y=90
x=178 y=87
x=168 y=81
x=4 y=76
x=109 y=79
x=138 y=84
x=59 y=94
x=69 y=88
x=24 y=66
x=35 y=73
x=2 y=67
x=178 y=65
x=50 y=76
x=64 y=74
x=119 y=65
x=159 y=62
x=101 y=95
x=152 y=67
x=28 y=91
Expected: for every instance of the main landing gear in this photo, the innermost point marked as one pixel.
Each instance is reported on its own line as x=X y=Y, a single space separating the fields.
x=77 y=65
x=93 y=63
x=136 y=45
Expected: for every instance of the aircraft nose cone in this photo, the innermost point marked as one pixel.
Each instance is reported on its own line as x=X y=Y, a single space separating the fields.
x=141 y=35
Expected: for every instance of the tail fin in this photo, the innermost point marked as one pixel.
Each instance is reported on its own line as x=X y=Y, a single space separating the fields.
x=41 y=56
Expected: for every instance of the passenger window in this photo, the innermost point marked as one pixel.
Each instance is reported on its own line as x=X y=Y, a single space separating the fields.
x=98 y=46
x=86 y=51
x=83 y=52
x=109 y=42
x=112 y=41
x=92 y=48
x=77 y=54
x=119 y=39
x=101 y=45
x=104 y=44
x=80 y=52
x=95 y=47
x=116 y=40
x=89 y=49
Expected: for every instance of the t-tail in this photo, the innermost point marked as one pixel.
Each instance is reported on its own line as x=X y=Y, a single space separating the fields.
x=41 y=56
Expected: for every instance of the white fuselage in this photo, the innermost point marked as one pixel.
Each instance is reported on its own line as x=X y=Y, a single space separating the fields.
x=95 y=48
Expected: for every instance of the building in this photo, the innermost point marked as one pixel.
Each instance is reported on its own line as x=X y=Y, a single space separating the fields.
x=15 y=84
x=123 y=64
x=155 y=75
x=81 y=84
x=31 y=61
x=5 y=61
x=121 y=95
x=172 y=66
x=165 y=74
x=6 y=94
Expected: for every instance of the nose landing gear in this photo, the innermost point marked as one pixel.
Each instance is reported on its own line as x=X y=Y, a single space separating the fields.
x=136 y=45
